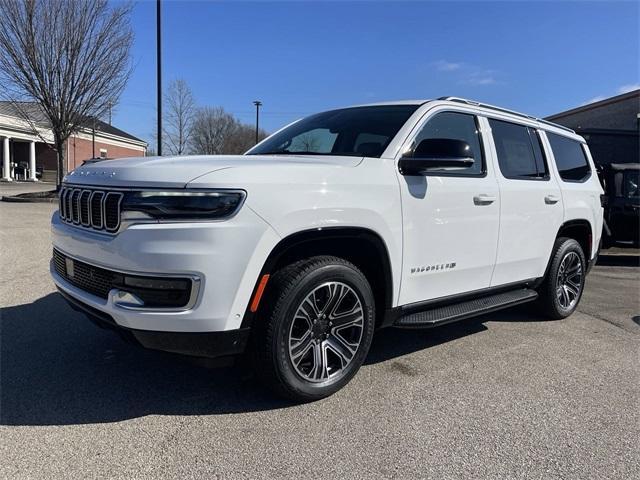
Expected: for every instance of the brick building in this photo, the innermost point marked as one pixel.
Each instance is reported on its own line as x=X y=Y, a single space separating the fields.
x=611 y=127
x=27 y=154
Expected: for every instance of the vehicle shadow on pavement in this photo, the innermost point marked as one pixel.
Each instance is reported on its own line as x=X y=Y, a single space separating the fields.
x=57 y=368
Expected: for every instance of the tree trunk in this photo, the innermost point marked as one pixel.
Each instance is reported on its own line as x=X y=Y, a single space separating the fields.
x=61 y=153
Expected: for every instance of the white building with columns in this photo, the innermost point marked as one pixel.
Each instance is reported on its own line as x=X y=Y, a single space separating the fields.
x=26 y=147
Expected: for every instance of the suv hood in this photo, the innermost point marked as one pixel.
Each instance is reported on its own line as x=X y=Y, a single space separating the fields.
x=178 y=171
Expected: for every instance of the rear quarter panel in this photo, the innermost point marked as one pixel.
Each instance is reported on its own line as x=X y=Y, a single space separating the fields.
x=581 y=199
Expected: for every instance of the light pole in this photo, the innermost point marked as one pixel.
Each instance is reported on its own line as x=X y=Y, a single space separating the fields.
x=258 y=104
x=159 y=75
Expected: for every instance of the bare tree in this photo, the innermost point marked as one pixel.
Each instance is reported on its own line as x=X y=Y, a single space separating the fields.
x=211 y=130
x=180 y=111
x=215 y=131
x=69 y=56
x=243 y=139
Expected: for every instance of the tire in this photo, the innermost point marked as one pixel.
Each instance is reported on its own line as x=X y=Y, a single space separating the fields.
x=306 y=361
x=563 y=285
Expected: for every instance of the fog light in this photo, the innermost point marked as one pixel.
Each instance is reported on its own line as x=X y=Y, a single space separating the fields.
x=127 y=299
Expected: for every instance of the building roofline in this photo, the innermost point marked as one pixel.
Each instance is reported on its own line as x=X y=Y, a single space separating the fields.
x=599 y=103
x=106 y=129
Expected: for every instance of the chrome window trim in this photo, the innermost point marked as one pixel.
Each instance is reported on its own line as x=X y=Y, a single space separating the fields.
x=196 y=283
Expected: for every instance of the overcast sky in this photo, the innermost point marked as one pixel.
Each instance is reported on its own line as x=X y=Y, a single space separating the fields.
x=303 y=57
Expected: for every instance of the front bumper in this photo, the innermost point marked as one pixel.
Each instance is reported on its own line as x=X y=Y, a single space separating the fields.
x=226 y=257
x=203 y=345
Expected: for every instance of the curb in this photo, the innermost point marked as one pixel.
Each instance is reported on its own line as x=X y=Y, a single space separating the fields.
x=12 y=199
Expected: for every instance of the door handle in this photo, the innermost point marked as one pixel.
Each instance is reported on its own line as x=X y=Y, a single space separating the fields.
x=551 y=199
x=484 y=199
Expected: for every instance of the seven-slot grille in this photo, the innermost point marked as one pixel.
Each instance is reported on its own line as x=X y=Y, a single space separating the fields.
x=96 y=209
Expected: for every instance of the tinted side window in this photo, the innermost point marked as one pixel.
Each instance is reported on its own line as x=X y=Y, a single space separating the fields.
x=457 y=126
x=519 y=153
x=570 y=158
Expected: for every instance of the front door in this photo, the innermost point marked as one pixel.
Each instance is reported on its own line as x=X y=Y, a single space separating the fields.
x=450 y=218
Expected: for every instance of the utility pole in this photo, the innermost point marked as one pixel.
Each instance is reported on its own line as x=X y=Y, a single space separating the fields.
x=93 y=139
x=159 y=75
x=258 y=104
x=110 y=104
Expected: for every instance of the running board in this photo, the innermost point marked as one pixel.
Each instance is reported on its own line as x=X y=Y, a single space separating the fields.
x=459 y=311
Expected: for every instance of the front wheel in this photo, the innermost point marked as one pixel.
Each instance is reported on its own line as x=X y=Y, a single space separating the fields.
x=316 y=328
x=562 y=288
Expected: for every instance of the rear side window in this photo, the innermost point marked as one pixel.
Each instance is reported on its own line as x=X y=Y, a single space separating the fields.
x=570 y=158
x=520 y=154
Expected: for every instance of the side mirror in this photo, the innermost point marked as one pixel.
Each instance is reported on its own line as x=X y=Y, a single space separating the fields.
x=436 y=153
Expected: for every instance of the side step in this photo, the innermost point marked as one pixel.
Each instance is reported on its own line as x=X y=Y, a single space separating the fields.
x=451 y=313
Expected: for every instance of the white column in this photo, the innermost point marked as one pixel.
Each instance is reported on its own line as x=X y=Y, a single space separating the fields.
x=6 y=167
x=32 y=162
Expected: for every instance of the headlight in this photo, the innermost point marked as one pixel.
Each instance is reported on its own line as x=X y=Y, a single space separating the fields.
x=181 y=204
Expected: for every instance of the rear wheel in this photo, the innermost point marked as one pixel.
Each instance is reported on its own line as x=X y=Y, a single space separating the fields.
x=316 y=328
x=562 y=288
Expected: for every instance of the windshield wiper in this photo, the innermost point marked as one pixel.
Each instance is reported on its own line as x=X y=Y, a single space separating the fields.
x=274 y=152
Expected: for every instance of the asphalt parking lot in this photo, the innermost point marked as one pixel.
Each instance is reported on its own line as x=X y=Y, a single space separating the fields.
x=507 y=395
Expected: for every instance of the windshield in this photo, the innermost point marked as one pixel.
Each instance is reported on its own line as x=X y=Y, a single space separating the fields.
x=357 y=131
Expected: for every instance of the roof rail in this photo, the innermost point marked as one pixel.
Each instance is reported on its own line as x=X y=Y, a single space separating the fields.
x=504 y=110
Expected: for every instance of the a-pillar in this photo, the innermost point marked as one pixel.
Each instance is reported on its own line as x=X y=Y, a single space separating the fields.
x=6 y=167
x=32 y=162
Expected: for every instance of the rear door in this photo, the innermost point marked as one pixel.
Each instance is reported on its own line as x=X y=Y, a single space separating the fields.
x=450 y=218
x=531 y=209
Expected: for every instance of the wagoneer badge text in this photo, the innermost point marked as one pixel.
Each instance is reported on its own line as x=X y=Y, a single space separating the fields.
x=432 y=268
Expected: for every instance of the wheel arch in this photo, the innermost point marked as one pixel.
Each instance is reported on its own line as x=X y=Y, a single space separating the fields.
x=355 y=244
x=581 y=231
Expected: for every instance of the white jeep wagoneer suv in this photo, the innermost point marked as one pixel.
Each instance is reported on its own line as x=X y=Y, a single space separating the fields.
x=407 y=214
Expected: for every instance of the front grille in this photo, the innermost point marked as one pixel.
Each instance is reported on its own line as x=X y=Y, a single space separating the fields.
x=95 y=209
x=153 y=291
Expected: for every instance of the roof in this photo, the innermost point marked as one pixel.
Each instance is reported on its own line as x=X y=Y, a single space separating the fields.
x=391 y=103
x=33 y=110
x=18 y=109
x=105 y=127
x=473 y=103
x=598 y=104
